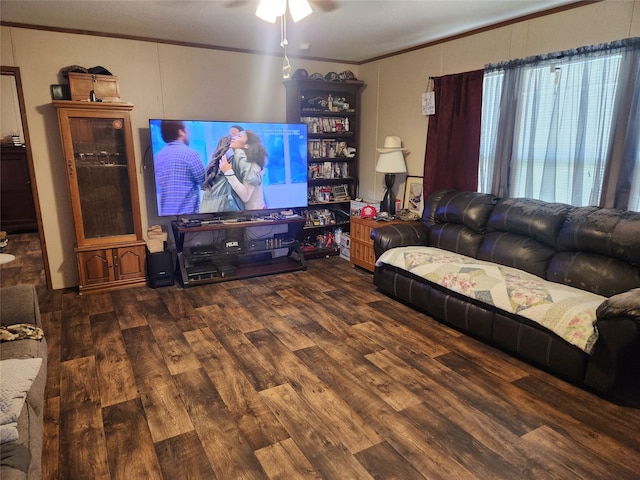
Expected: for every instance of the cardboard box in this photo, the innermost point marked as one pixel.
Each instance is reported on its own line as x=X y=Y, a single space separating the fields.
x=105 y=87
x=356 y=207
x=345 y=246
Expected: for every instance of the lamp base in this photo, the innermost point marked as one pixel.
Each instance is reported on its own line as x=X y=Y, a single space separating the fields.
x=388 y=203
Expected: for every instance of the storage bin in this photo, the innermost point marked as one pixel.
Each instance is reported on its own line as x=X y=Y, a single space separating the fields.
x=357 y=206
x=345 y=246
x=105 y=87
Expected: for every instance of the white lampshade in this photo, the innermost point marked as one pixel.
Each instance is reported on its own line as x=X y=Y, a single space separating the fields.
x=391 y=162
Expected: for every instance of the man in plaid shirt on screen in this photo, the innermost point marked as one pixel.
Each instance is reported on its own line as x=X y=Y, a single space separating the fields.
x=179 y=172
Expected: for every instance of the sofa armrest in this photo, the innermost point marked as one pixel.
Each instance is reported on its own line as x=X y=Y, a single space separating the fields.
x=625 y=304
x=19 y=304
x=398 y=235
x=617 y=350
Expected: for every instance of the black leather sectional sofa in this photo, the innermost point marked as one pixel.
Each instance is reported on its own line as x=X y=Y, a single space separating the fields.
x=589 y=248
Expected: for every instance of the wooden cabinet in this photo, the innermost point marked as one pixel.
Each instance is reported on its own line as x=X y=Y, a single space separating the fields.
x=111 y=266
x=362 y=253
x=18 y=208
x=331 y=111
x=97 y=141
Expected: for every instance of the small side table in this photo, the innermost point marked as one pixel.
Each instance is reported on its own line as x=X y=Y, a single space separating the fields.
x=362 y=253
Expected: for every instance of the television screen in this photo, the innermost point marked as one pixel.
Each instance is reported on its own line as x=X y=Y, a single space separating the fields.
x=214 y=167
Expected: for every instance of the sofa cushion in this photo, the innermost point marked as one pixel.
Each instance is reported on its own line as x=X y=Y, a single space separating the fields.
x=431 y=205
x=600 y=251
x=18 y=304
x=23 y=349
x=455 y=238
x=605 y=276
x=568 y=312
x=605 y=231
x=466 y=208
x=535 y=219
x=17 y=377
x=516 y=251
x=458 y=220
x=521 y=233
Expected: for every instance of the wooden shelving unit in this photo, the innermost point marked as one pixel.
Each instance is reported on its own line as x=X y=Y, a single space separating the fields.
x=331 y=111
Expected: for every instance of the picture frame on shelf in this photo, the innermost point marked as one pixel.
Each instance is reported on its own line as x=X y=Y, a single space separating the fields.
x=60 y=92
x=413 y=195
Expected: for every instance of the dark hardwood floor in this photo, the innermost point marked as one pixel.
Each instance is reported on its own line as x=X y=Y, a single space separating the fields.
x=302 y=375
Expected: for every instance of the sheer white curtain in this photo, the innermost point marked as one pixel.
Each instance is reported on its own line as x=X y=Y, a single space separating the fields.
x=564 y=127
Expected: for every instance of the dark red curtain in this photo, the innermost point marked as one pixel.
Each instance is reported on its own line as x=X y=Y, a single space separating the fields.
x=453 y=138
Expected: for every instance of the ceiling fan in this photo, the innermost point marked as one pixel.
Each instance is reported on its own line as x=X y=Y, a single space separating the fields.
x=323 y=5
x=269 y=10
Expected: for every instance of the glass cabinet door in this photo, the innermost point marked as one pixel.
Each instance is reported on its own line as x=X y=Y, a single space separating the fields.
x=101 y=173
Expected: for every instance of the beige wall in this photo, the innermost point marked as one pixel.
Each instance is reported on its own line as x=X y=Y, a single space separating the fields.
x=394 y=85
x=173 y=81
x=162 y=81
x=10 y=121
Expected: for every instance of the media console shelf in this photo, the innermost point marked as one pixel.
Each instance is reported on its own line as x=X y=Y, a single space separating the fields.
x=237 y=256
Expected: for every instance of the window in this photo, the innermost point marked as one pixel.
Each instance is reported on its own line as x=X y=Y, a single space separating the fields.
x=560 y=128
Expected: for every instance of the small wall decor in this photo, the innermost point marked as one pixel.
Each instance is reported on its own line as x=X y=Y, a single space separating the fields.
x=413 y=199
x=60 y=92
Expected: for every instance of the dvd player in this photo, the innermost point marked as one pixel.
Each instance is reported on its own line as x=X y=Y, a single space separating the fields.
x=201 y=271
x=199 y=251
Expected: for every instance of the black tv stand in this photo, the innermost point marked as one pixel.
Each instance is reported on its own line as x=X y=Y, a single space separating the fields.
x=240 y=258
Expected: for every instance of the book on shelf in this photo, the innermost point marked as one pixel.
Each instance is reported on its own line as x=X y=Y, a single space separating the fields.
x=327 y=148
x=328 y=193
x=328 y=170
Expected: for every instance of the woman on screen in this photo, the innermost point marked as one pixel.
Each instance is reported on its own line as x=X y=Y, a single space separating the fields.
x=246 y=172
x=218 y=195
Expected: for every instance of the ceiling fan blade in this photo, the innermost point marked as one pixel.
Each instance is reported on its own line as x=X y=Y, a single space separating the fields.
x=325 y=5
x=235 y=3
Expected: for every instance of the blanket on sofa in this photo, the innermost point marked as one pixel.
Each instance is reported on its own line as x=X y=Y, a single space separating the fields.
x=568 y=312
x=17 y=375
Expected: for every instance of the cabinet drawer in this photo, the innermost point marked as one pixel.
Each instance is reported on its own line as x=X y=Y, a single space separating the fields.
x=360 y=231
x=362 y=254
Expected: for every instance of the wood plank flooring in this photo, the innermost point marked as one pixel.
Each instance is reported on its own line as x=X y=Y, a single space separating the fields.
x=302 y=375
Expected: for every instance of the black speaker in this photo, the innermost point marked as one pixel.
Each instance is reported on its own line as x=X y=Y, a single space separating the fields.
x=160 y=269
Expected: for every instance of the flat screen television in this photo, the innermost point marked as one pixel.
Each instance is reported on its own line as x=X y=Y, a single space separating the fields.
x=222 y=168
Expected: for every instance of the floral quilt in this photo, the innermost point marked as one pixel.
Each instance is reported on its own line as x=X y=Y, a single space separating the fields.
x=568 y=312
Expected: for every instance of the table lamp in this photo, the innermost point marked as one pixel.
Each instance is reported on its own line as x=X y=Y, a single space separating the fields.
x=390 y=162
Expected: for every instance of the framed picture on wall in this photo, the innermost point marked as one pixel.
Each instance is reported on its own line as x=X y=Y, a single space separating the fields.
x=413 y=195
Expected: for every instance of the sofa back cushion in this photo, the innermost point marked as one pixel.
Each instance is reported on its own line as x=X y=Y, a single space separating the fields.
x=599 y=251
x=522 y=233
x=457 y=220
x=516 y=251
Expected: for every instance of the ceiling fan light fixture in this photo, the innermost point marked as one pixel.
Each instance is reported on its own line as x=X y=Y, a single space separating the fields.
x=299 y=9
x=270 y=10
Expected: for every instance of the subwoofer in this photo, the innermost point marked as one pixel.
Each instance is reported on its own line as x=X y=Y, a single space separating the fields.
x=160 y=269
